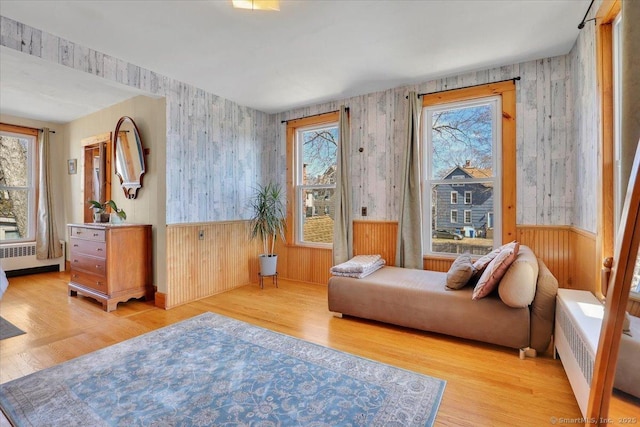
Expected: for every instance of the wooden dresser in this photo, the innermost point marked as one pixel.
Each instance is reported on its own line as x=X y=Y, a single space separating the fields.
x=111 y=262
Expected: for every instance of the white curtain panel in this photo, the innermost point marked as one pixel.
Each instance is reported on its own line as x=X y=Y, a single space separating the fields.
x=409 y=244
x=343 y=222
x=47 y=241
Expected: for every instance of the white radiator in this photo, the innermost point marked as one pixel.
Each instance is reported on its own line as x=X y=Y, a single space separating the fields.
x=19 y=256
x=578 y=321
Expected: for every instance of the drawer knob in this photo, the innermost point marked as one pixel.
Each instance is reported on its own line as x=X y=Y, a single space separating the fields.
x=75 y=260
x=75 y=245
x=95 y=234
x=99 y=249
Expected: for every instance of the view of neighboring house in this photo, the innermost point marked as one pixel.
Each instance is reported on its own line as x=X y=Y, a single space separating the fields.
x=466 y=208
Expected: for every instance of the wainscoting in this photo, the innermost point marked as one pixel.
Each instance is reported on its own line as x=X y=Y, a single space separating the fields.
x=633 y=307
x=568 y=252
x=225 y=258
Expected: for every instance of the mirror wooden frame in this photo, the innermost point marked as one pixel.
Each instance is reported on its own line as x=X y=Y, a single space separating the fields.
x=616 y=303
x=130 y=191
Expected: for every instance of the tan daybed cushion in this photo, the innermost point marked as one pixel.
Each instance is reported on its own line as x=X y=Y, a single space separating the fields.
x=543 y=308
x=627 y=371
x=518 y=285
x=419 y=299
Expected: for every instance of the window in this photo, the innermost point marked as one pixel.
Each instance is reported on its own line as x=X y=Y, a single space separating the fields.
x=468 y=197
x=454 y=197
x=469 y=142
x=467 y=216
x=17 y=183
x=314 y=149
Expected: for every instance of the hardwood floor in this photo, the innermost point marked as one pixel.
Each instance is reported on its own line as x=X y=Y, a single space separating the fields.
x=486 y=385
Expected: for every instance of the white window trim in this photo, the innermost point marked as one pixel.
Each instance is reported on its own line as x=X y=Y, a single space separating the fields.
x=470 y=193
x=454 y=195
x=31 y=186
x=300 y=188
x=467 y=211
x=454 y=212
x=497 y=168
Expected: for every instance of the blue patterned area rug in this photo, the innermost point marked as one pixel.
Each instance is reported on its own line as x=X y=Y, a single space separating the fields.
x=215 y=371
x=8 y=329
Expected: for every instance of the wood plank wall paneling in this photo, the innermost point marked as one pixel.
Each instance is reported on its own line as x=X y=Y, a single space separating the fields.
x=376 y=237
x=553 y=246
x=304 y=263
x=633 y=307
x=437 y=264
x=585 y=265
x=224 y=259
x=570 y=254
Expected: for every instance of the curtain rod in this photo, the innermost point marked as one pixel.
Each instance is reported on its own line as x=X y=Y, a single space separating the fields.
x=585 y=20
x=467 y=87
x=313 y=115
x=24 y=127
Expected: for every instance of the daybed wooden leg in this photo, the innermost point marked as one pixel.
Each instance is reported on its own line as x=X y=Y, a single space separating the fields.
x=528 y=352
x=338 y=315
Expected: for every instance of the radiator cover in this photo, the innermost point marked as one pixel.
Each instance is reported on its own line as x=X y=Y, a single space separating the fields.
x=17 y=257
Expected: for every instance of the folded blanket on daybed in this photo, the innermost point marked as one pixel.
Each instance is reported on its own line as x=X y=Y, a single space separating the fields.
x=359 y=266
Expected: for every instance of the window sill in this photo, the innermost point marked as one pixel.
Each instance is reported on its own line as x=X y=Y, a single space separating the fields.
x=310 y=246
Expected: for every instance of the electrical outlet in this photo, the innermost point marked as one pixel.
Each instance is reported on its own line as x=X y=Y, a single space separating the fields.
x=201 y=235
x=364 y=211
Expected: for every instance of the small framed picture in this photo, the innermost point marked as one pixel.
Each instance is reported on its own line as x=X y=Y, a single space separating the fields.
x=72 y=165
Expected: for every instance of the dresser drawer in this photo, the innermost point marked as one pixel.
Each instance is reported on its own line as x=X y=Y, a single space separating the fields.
x=93 y=281
x=88 y=247
x=88 y=264
x=88 y=233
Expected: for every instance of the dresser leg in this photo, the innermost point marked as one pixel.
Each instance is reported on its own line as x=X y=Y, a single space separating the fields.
x=73 y=293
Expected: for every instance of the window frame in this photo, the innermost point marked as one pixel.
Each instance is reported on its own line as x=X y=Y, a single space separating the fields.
x=506 y=90
x=454 y=195
x=470 y=194
x=32 y=172
x=464 y=216
x=429 y=182
x=452 y=213
x=294 y=204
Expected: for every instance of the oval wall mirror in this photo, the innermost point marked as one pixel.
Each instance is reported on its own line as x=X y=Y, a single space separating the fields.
x=129 y=156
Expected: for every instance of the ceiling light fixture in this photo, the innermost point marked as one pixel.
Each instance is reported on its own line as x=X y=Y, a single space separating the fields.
x=257 y=4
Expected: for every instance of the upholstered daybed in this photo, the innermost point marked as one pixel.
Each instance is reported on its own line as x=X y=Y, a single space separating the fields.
x=627 y=372
x=420 y=299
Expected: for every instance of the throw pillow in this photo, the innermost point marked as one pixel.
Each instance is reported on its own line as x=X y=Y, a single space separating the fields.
x=484 y=260
x=495 y=270
x=460 y=272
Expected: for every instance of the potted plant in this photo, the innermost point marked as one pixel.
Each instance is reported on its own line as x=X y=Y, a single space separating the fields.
x=267 y=223
x=100 y=211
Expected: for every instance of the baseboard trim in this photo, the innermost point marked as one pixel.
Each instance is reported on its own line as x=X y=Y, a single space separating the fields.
x=160 y=300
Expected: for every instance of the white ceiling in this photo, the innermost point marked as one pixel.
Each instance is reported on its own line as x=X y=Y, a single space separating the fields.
x=309 y=52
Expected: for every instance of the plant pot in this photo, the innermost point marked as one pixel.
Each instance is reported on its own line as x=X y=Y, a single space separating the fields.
x=115 y=219
x=100 y=217
x=268 y=263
